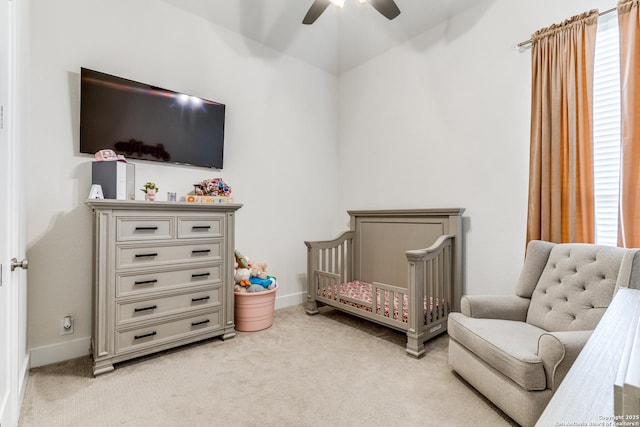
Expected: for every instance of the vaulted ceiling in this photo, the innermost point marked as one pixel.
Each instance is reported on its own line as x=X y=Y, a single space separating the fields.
x=339 y=40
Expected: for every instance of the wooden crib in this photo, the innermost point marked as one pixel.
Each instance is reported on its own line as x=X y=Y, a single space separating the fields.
x=378 y=271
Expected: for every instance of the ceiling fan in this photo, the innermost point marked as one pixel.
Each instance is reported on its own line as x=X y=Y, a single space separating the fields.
x=388 y=8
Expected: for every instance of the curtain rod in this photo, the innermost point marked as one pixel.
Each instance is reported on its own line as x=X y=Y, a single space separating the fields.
x=613 y=9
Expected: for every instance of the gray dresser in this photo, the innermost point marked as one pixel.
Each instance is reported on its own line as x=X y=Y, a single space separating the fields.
x=162 y=277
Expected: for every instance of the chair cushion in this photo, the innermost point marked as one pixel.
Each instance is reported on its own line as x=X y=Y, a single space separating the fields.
x=534 y=264
x=575 y=287
x=508 y=346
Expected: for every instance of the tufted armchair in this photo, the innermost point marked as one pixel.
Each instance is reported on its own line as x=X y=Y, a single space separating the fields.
x=516 y=349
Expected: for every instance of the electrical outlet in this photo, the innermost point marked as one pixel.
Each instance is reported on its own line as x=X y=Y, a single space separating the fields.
x=67 y=325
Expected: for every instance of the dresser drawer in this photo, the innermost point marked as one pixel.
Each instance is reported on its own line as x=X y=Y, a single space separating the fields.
x=158 y=333
x=128 y=284
x=192 y=228
x=144 y=228
x=144 y=256
x=150 y=308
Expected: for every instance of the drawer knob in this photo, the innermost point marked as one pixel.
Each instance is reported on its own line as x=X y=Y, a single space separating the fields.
x=146 y=255
x=146 y=228
x=151 y=307
x=200 y=299
x=201 y=227
x=150 y=334
x=202 y=322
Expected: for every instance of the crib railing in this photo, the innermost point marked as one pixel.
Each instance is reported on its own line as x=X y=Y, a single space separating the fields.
x=388 y=302
x=330 y=263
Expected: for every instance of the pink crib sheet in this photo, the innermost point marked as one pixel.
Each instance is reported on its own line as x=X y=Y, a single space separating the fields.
x=363 y=291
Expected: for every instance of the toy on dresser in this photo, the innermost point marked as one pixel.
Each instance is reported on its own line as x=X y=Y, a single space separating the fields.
x=251 y=277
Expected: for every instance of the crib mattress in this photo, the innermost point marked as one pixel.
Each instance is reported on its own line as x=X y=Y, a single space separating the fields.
x=363 y=291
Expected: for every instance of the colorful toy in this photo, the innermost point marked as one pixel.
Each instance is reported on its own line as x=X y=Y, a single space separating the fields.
x=255 y=288
x=259 y=276
x=259 y=269
x=268 y=283
x=251 y=277
x=243 y=261
x=242 y=276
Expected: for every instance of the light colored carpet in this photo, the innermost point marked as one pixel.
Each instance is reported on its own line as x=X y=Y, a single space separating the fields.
x=331 y=369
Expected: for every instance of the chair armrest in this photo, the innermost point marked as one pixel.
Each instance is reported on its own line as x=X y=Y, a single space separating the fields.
x=506 y=307
x=558 y=351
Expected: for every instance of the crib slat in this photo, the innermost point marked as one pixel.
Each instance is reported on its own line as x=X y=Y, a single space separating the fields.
x=429 y=293
x=392 y=304
x=438 y=297
x=432 y=288
x=339 y=260
x=336 y=260
x=445 y=274
x=350 y=259
x=448 y=281
x=342 y=261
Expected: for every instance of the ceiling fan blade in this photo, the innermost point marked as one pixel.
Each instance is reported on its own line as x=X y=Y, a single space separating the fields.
x=388 y=8
x=315 y=11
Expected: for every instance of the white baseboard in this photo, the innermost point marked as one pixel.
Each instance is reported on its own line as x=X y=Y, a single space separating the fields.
x=289 y=300
x=54 y=353
x=23 y=380
x=60 y=352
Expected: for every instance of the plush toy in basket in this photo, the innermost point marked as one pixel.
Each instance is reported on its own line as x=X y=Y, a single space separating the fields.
x=251 y=277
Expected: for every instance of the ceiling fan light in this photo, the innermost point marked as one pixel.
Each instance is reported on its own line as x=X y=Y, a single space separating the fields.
x=339 y=3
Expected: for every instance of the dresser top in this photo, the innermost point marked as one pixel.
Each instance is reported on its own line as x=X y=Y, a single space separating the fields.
x=160 y=205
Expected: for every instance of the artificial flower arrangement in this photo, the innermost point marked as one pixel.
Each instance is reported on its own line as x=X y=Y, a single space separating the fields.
x=149 y=189
x=150 y=186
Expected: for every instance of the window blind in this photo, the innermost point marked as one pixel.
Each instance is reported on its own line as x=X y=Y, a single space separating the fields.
x=606 y=130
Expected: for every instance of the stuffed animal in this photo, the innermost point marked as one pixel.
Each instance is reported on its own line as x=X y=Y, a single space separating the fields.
x=251 y=277
x=268 y=283
x=242 y=276
x=259 y=269
x=242 y=260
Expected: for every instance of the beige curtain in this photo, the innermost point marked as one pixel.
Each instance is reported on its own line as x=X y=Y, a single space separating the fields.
x=561 y=207
x=628 y=223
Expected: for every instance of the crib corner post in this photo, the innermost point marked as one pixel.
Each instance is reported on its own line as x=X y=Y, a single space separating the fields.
x=415 y=333
x=415 y=345
x=310 y=307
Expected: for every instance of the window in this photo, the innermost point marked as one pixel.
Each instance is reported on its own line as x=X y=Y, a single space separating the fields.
x=606 y=130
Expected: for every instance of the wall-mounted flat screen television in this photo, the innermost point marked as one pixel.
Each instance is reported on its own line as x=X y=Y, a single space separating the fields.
x=142 y=121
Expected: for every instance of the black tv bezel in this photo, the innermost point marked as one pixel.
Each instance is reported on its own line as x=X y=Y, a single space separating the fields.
x=215 y=163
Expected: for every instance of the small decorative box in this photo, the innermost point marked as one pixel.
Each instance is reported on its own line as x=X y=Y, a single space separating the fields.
x=208 y=199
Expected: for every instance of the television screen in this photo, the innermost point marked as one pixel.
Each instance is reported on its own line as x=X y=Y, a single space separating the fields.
x=145 y=122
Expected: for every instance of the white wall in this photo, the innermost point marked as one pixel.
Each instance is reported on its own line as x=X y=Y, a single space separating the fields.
x=281 y=146
x=443 y=121
x=439 y=121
